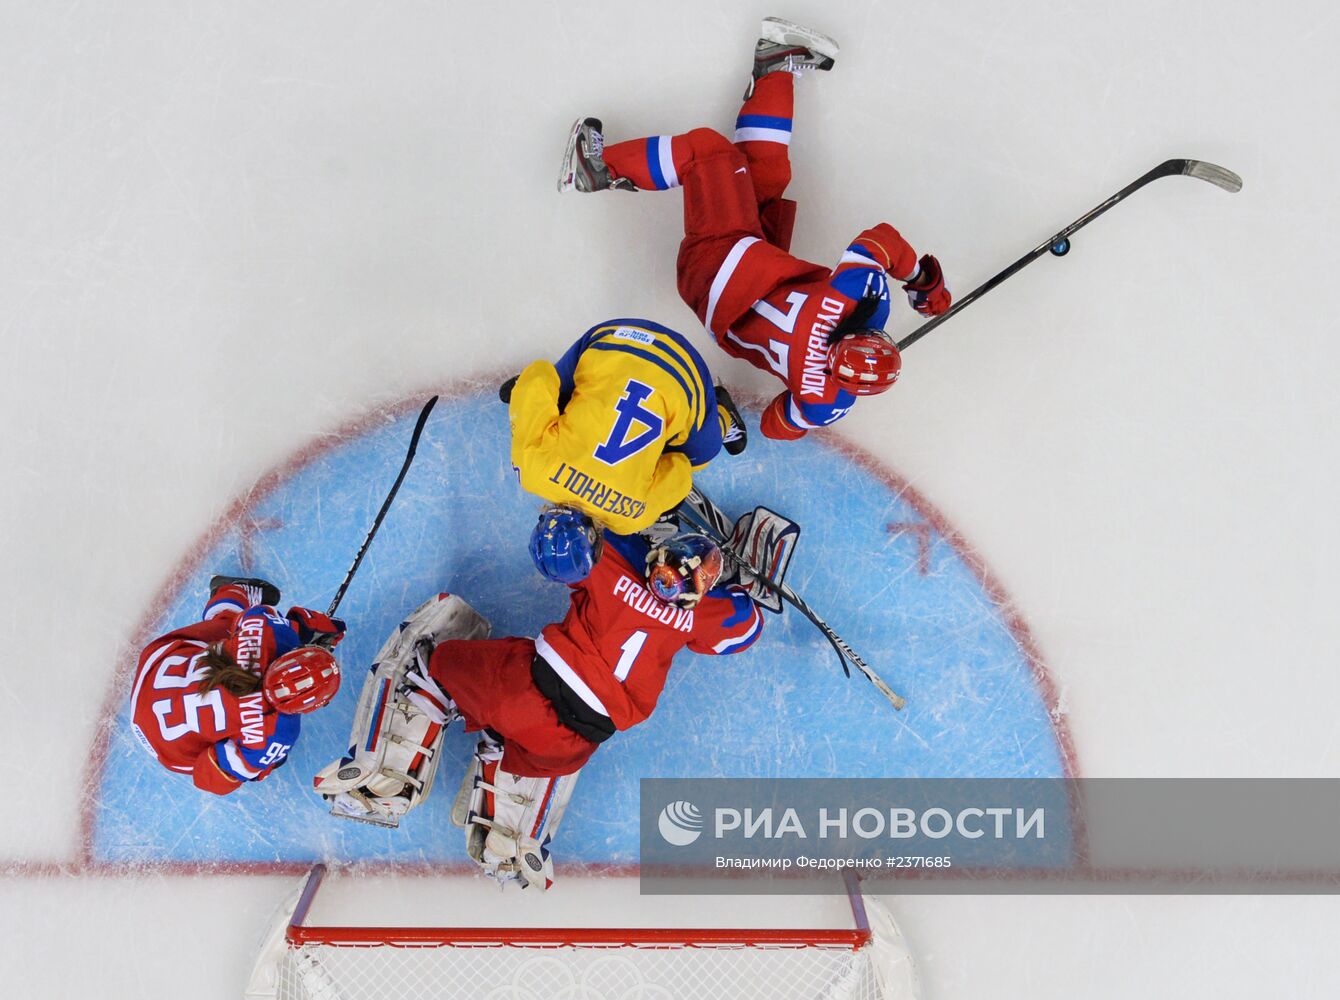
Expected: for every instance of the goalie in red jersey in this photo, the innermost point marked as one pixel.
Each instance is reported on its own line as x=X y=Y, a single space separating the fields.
x=542 y=706
x=820 y=331
x=220 y=699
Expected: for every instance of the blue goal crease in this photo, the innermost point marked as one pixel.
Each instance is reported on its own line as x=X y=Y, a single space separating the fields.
x=780 y=709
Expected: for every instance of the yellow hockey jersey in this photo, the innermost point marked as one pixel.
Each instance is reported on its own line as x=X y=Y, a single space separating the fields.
x=618 y=425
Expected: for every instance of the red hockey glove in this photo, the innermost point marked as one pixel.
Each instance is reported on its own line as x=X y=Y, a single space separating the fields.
x=774 y=423
x=315 y=628
x=890 y=250
x=926 y=292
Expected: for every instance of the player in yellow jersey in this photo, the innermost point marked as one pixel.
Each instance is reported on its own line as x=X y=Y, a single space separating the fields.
x=616 y=428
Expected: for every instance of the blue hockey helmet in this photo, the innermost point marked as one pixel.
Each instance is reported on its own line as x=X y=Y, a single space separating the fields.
x=683 y=568
x=564 y=545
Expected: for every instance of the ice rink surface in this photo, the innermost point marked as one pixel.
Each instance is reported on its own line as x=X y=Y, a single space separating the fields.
x=229 y=234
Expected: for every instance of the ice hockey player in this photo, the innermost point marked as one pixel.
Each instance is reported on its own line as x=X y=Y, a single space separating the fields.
x=542 y=706
x=616 y=428
x=819 y=331
x=220 y=700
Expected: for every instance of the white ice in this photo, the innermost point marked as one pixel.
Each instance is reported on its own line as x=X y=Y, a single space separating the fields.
x=224 y=228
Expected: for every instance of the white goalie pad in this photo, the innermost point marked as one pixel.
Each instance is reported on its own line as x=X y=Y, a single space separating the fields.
x=510 y=821
x=767 y=540
x=393 y=748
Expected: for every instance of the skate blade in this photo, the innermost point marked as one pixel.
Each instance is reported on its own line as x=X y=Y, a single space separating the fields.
x=567 y=174
x=460 y=806
x=376 y=819
x=783 y=32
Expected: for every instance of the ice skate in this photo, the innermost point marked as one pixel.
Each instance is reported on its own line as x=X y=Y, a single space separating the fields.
x=785 y=45
x=734 y=435
x=583 y=164
x=268 y=592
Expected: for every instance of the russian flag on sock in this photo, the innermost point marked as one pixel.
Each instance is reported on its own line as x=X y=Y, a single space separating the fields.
x=661 y=163
x=763 y=128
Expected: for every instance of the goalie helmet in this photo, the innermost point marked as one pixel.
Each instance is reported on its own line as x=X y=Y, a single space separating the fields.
x=865 y=362
x=683 y=568
x=302 y=681
x=565 y=545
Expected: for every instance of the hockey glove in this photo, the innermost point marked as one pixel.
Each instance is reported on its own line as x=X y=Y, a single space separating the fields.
x=927 y=293
x=505 y=390
x=315 y=628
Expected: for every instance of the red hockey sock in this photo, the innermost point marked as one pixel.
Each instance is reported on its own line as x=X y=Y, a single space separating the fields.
x=773 y=98
x=658 y=162
x=763 y=134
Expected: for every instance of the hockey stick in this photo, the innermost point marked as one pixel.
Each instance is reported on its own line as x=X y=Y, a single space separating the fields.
x=698 y=508
x=1059 y=245
x=386 y=504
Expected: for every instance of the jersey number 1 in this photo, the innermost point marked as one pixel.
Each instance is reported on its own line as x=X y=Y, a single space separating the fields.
x=630 y=648
x=618 y=445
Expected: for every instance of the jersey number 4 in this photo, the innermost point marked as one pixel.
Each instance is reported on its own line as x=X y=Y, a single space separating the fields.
x=619 y=445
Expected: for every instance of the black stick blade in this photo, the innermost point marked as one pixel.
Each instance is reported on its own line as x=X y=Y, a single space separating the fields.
x=1215 y=174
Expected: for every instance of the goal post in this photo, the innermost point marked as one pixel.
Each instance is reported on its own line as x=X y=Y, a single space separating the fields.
x=866 y=960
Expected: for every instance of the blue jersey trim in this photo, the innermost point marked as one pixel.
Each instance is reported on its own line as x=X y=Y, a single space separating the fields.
x=744 y=644
x=633 y=548
x=286 y=732
x=744 y=608
x=695 y=367
x=823 y=414
x=221 y=758
x=694 y=400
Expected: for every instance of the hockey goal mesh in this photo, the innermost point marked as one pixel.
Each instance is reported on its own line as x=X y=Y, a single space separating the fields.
x=869 y=962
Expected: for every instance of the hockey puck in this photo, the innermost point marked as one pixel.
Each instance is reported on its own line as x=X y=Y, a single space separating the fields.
x=1060 y=248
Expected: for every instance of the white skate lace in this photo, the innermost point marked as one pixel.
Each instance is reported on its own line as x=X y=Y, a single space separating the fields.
x=595 y=145
x=798 y=65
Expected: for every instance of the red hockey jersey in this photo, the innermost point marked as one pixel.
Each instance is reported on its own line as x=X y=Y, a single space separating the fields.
x=219 y=739
x=614 y=648
x=777 y=311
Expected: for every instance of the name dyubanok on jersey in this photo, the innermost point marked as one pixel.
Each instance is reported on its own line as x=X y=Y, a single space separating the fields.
x=614 y=648
x=616 y=427
x=219 y=739
x=777 y=311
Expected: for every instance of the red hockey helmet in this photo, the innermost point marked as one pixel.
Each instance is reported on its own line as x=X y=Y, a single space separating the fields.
x=865 y=362
x=302 y=680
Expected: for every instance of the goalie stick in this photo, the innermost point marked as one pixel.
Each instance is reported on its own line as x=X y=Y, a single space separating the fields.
x=699 y=509
x=386 y=505
x=1059 y=245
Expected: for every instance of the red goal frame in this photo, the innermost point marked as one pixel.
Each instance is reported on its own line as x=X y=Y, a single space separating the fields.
x=300 y=933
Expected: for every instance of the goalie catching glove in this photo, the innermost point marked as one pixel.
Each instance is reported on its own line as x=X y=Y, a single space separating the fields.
x=402 y=714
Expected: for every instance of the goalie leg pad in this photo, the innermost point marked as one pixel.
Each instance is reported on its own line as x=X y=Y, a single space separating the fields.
x=393 y=749
x=510 y=820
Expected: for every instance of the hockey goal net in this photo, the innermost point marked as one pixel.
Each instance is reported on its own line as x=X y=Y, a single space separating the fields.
x=866 y=960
